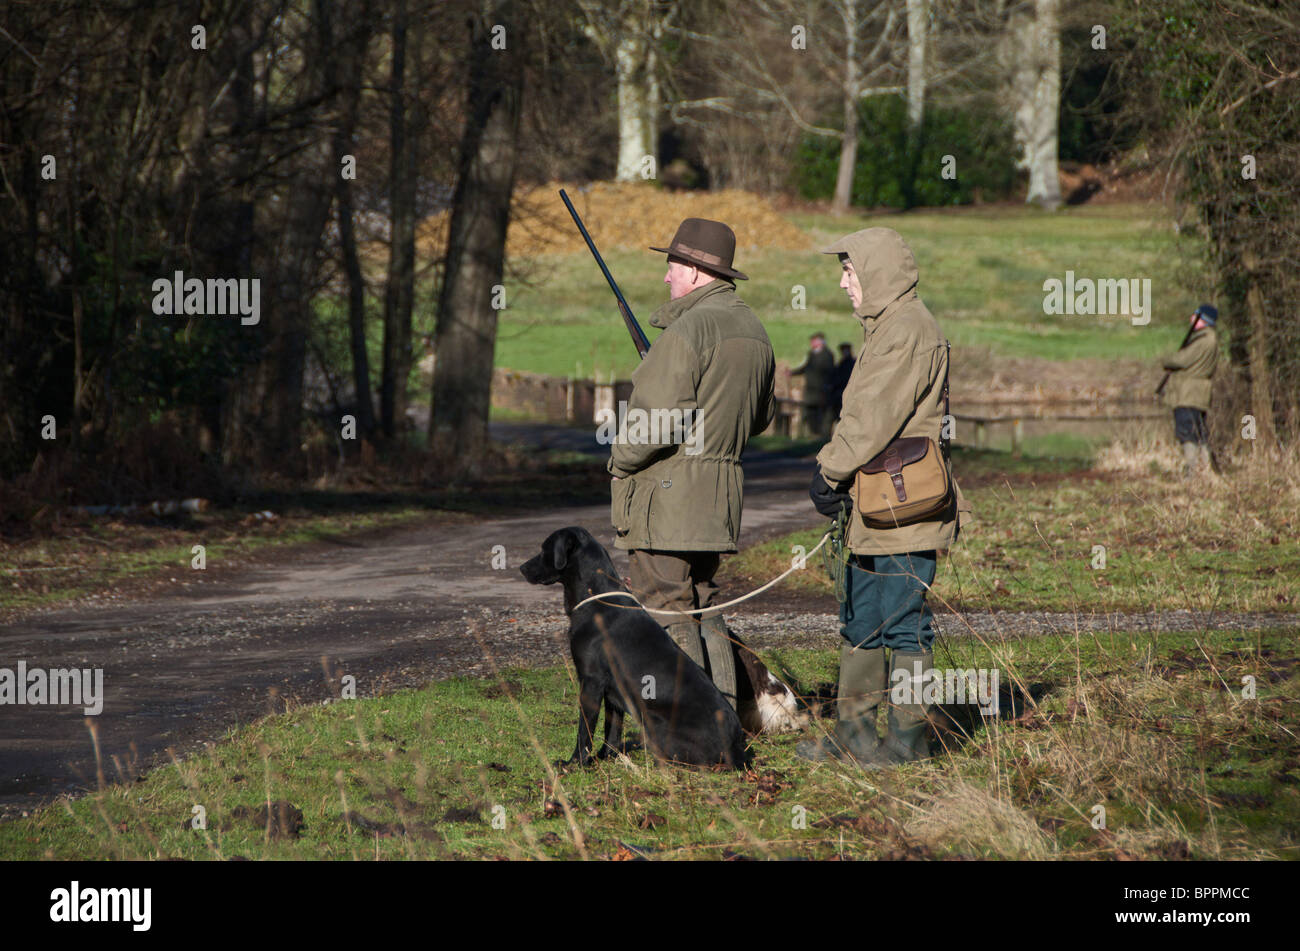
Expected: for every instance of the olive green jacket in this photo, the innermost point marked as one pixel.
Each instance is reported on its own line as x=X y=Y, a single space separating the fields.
x=896 y=388
x=713 y=358
x=1191 y=368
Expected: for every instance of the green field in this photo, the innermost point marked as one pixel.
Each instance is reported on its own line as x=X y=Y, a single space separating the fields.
x=1039 y=521
x=982 y=272
x=1154 y=730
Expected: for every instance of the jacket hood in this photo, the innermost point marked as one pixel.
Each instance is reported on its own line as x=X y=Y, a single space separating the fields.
x=884 y=264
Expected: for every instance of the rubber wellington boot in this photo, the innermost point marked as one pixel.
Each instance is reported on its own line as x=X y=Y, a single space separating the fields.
x=687 y=636
x=862 y=687
x=1191 y=459
x=909 y=722
x=722 y=661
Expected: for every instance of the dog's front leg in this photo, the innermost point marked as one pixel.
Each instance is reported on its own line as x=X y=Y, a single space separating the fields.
x=589 y=710
x=613 y=731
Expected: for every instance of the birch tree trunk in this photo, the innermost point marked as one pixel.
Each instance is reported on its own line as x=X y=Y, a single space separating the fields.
x=634 y=133
x=849 y=144
x=465 y=340
x=917 y=15
x=636 y=61
x=1037 y=91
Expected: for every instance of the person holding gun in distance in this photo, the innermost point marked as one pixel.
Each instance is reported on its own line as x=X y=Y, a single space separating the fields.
x=1186 y=388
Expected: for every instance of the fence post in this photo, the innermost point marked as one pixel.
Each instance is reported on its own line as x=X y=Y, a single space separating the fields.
x=604 y=397
x=1017 y=437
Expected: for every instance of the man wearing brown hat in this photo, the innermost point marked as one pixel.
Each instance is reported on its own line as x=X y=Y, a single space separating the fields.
x=676 y=502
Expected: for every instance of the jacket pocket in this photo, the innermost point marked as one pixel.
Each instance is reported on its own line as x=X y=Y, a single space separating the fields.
x=638 y=514
x=621 y=492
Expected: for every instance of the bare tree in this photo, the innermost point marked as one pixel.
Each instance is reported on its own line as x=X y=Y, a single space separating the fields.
x=629 y=34
x=465 y=340
x=803 y=58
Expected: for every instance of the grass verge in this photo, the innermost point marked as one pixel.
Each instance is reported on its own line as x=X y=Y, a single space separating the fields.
x=1154 y=730
x=1057 y=534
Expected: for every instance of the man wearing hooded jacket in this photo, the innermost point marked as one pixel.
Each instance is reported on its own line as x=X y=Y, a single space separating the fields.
x=896 y=390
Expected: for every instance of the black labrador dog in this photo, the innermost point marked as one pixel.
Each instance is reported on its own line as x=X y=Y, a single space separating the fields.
x=627 y=660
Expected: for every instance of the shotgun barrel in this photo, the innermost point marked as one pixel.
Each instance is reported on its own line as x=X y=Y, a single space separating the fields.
x=639 y=339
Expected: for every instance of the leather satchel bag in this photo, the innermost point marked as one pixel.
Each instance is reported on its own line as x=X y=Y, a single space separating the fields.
x=907 y=482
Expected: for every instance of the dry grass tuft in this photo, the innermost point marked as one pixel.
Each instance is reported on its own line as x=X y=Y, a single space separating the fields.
x=972 y=819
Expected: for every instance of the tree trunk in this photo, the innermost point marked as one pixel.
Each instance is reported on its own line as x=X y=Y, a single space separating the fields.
x=227 y=228
x=399 y=295
x=1261 y=377
x=351 y=70
x=917 y=14
x=1038 y=102
x=849 y=145
x=465 y=340
x=636 y=134
x=848 y=160
x=296 y=268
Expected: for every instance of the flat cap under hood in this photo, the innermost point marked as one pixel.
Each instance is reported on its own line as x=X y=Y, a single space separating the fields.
x=884 y=264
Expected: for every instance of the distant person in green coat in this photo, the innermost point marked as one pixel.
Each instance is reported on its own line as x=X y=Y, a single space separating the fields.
x=1187 y=388
x=816 y=370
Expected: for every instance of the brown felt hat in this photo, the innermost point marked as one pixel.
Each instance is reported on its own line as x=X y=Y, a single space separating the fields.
x=710 y=245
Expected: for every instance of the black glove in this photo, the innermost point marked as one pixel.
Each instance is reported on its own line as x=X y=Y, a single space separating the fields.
x=826 y=499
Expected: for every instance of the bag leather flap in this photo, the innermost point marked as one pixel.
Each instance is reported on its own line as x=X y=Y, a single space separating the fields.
x=899 y=453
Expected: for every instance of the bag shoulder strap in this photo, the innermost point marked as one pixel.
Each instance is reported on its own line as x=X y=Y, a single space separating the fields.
x=947 y=365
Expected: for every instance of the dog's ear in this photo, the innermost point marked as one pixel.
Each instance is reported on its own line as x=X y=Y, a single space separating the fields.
x=559 y=547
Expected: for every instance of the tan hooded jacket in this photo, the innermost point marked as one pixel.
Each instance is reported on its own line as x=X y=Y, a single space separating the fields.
x=896 y=388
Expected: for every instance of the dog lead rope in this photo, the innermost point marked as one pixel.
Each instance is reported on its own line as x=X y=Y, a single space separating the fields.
x=712 y=607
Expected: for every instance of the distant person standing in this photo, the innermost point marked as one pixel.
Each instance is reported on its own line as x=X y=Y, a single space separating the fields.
x=840 y=380
x=816 y=371
x=1187 y=387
